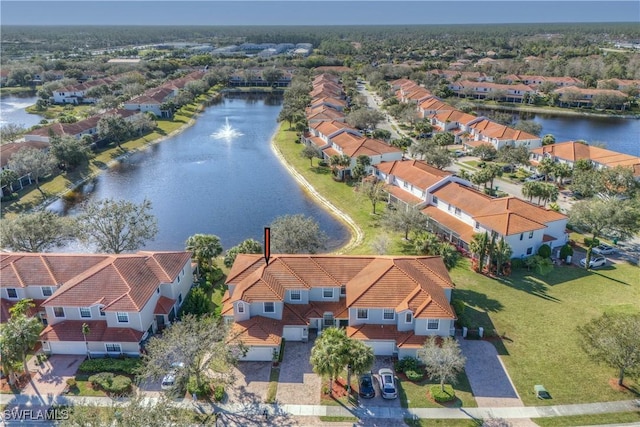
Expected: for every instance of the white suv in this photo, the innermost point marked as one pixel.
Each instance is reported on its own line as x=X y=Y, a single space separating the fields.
x=388 y=388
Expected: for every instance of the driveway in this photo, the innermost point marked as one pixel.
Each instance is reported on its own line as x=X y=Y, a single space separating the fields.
x=298 y=383
x=251 y=383
x=488 y=378
x=378 y=401
x=49 y=380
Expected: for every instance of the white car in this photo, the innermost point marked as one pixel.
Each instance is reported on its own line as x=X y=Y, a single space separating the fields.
x=387 y=380
x=596 y=261
x=534 y=178
x=604 y=249
x=169 y=380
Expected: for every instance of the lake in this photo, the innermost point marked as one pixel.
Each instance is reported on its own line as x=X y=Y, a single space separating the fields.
x=12 y=110
x=232 y=187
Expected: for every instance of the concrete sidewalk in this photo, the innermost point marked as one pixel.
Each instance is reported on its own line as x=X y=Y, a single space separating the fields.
x=23 y=401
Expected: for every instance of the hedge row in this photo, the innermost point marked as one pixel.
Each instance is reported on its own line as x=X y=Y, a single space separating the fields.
x=127 y=366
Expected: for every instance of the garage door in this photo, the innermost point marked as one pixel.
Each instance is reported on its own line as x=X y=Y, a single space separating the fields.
x=382 y=348
x=292 y=333
x=259 y=354
x=67 y=347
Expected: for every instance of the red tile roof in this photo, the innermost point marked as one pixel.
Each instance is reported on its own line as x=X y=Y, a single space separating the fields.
x=164 y=305
x=415 y=172
x=71 y=330
x=258 y=331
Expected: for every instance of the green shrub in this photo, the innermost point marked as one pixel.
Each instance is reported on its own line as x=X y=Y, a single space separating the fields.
x=544 y=251
x=407 y=364
x=414 y=376
x=215 y=274
x=441 y=396
x=203 y=390
x=517 y=263
x=218 y=393
x=71 y=382
x=458 y=306
x=205 y=285
x=566 y=251
x=116 y=384
x=128 y=365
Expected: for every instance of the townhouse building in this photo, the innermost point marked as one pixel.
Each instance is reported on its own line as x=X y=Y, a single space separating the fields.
x=122 y=298
x=485 y=131
x=390 y=303
x=570 y=152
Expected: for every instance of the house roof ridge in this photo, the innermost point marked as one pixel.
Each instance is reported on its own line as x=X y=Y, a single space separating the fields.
x=78 y=279
x=47 y=265
x=391 y=263
x=432 y=271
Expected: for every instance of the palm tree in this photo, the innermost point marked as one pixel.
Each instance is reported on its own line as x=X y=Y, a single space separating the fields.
x=204 y=247
x=562 y=171
x=478 y=246
x=328 y=354
x=360 y=359
x=426 y=243
x=85 y=331
x=448 y=253
x=503 y=252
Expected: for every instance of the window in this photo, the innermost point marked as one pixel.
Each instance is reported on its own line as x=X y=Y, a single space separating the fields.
x=408 y=317
x=269 y=307
x=12 y=293
x=113 y=348
x=327 y=293
x=343 y=290
x=294 y=295
x=388 y=314
x=85 y=312
x=180 y=299
x=457 y=211
x=58 y=311
x=363 y=313
x=47 y=291
x=529 y=251
x=450 y=208
x=433 y=324
x=521 y=236
x=102 y=313
x=157 y=290
x=531 y=234
x=240 y=308
x=122 y=317
x=435 y=200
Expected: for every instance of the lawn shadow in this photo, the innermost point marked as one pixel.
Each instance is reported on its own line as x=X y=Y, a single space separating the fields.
x=478 y=300
x=610 y=278
x=320 y=170
x=529 y=284
x=476 y=315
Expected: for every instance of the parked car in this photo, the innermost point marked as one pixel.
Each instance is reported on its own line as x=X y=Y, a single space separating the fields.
x=387 y=380
x=604 y=249
x=534 y=178
x=458 y=153
x=169 y=380
x=596 y=261
x=366 y=388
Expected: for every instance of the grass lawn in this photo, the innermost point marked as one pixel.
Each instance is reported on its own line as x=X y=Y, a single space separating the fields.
x=343 y=196
x=539 y=316
x=585 y=420
x=414 y=395
x=337 y=419
x=272 y=391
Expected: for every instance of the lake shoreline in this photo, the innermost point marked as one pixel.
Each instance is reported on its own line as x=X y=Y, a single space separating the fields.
x=357 y=235
x=558 y=112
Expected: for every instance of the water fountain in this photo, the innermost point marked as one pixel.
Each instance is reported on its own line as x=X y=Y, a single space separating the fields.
x=226 y=132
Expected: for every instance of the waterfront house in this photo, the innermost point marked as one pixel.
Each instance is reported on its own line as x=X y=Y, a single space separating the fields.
x=153 y=101
x=431 y=106
x=571 y=151
x=390 y=303
x=8 y=150
x=77 y=94
x=485 y=131
x=123 y=298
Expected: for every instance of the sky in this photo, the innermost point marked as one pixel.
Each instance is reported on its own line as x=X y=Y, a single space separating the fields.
x=312 y=12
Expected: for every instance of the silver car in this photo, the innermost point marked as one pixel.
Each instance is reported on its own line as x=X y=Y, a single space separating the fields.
x=604 y=249
x=388 y=387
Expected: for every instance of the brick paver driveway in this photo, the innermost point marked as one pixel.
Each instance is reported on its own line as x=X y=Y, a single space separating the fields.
x=50 y=379
x=298 y=383
x=251 y=383
x=489 y=380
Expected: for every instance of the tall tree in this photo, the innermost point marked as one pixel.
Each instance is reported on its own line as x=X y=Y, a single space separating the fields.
x=485 y=152
x=602 y=216
x=294 y=234
x=70 y=152
x=443 y=138
x=86 y=331
x=614 y=340
x=248 y=246
x=204 y=247
x=443 y=361
x=202 y=345
x=374 y=191
x=513 y=155
x=18 y=335
x=115 y=226
x=114 y=128
x=37 y=162
x=529 y=126
x=308 y=152
x=10 y=132
x=36 y=232
x=478 y=246
x=406 y=219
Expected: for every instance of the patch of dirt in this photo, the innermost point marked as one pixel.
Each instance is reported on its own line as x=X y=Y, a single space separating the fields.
x=22 y=381
x=613 y=383
x=339 y=389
